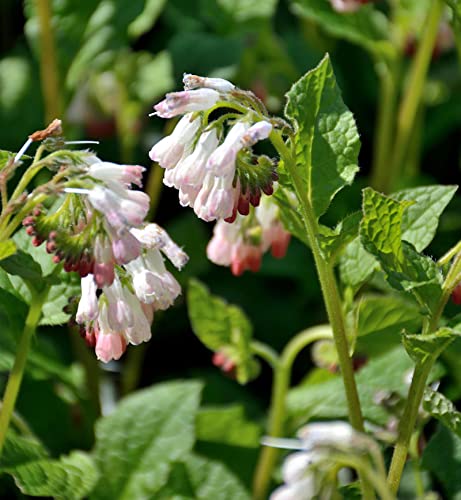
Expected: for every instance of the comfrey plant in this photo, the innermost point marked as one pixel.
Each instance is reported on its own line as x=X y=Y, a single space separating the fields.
x=93 y=224
x=381 y=247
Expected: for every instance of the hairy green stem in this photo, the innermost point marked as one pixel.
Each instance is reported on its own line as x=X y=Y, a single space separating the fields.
x=15 y=378
x=413 y=92
x=282 y=366
x=328 y=285
x=48 y=62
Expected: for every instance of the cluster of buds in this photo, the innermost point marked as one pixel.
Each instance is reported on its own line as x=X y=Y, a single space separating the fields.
x=211 y=161
x=321 y=447
x=347 y=5
x=241 y=245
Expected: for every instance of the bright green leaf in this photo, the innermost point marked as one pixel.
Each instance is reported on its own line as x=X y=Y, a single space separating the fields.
x=327 y=399
x=420 y=220
x=198 y=478
x=381 y=235
x=367 y=27
x=333 y=241
x=222 y=327
x=441 y=408
x=136 y=444
x=290 y=215
x=356 y=265
x=154 y=76
x=7 y=248
x=69 y=478
x=326 y=141
x=244 y=10
x=424 y=347
x=23 y=265
x=19 y=450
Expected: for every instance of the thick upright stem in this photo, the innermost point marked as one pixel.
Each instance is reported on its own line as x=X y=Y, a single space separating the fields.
x=15 y=378
x=414 y=90
x=329 y=288
x=48 y=62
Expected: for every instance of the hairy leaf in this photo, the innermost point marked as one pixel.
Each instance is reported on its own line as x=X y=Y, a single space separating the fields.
x=333 y=241
x=222 y=327
x=136 y=445
x=424 y=347
x=441 y=408
x=326 y=141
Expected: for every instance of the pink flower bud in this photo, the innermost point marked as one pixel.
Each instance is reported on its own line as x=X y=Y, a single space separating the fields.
x=194 y=81
x=178 y=103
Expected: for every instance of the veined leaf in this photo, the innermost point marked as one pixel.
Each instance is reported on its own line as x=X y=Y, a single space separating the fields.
x=423 y=347
x=289 y=214
x=381 y=235
x=136 y=445
x=356 y=265
x=326 y=141
x=222 y=327
x=441 y=408
x=7 y=248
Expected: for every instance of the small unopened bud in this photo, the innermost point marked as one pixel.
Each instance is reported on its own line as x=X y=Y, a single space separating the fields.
x=327 y=434
x=53 y=129
x=193 y=82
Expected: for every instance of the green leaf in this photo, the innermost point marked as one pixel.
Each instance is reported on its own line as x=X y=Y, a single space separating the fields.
x=367 y=27
x=332 y=241
x=327 y=399
x=222 y=327
x=19 y=450
x=420 y=220
x=326 y=141
x=136 y=444
x=441 y=408
x=154 y=76
x=428 y=346
x=69 y=478
x=381 y=235
x=379 y=314
x=243 y=10
x=202 y=479
x=456 y=6
x=442 y=457
x=7 y=248
x=356 y=265
x=23 y=265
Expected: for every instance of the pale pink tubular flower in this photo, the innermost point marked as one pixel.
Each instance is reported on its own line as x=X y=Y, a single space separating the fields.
x=216 y=198
x=124 y=174
x=222 y=161
x=178 y=103
x=104 y=261
x=88 y=305
x=193 y=82
x=169 y=150
x=109 y=344
x=191 y=170
x=125 y=246
x=257 y=132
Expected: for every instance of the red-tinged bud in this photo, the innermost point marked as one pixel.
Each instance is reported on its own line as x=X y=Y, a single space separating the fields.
x=218 y=359
x=28 y=221
x=275 y=175
x=30 y=230
x=232 y=218
x=56 y=259
x=279 y=247
x=36 y=241
x=255 y=198
x=358 y=362
x=51 y=246
x=68 y=264
x=268 y=189
x=37 y=211
x=53 y=235
x=456 y=295
x=244 y=205
x=226 y=364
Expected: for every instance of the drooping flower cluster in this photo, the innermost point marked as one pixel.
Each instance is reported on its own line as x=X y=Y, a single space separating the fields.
x=96 y=228
x=123 y=311
x=323 y=448
x=242 y=244
x=211 y=161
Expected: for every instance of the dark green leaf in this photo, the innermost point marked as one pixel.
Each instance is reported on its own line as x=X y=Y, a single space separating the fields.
x=23 y=265
x=326 y=141
x=222 y=327
x=19 y=450
x=442 y=456
x=136 y=444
